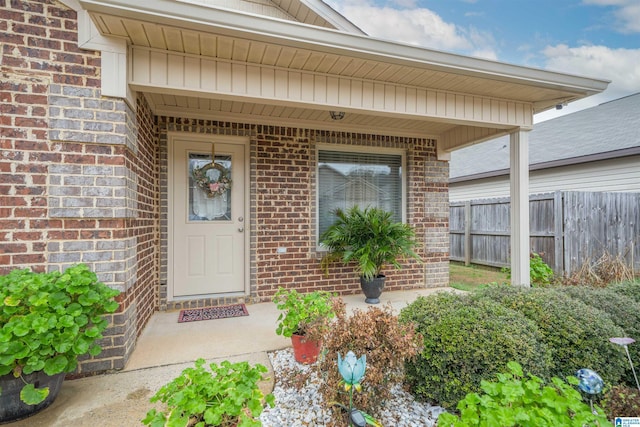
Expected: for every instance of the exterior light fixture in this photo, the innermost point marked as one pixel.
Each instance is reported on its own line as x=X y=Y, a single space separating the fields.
x=336 y=115
x=624 y=342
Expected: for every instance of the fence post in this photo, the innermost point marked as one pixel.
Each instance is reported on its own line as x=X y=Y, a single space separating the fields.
x=467 y=232
x=558 y=232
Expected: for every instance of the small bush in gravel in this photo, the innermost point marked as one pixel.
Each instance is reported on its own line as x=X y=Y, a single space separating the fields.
x=630 y=289
x=466 y=341
x=577 y=334
x=622 y=401
x=373 y=332
x=623 y=310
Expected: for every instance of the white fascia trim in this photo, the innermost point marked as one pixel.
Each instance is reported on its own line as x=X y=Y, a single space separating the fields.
x=113 y=56
x=288 y=33
x=332 y=16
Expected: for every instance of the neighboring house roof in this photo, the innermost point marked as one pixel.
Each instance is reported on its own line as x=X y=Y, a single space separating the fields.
x=609 y=130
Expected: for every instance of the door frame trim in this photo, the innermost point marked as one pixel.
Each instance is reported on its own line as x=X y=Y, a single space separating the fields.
x=244 y=141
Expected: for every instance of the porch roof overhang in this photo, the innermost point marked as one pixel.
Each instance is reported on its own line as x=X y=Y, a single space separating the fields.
x=204 y=61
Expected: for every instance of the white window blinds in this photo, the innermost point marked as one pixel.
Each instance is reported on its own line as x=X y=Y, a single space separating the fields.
x=346 y=179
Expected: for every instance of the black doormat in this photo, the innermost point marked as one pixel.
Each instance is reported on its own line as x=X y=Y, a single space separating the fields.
x=208 y=313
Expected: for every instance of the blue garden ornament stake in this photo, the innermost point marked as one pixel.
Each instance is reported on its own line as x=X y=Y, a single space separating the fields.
x=352 y=371
x=625 y=341
x=590 y=383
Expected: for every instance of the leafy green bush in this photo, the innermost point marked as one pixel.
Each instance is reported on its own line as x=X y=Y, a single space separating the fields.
x=518 y=401
x=630 y=289
x=576 y=333
x=621 y=401
x=623 y=310
x=228 y=395
x=466 y=341
x=539 y=271
x=48 y=320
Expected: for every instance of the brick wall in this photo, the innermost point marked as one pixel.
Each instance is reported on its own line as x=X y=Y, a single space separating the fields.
x=79 y=170
x=282 y=207
x=84 y=179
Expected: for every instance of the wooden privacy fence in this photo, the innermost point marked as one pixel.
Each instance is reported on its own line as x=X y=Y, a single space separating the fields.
x=567 y=228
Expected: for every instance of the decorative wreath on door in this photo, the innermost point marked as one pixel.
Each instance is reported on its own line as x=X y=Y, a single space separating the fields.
x=213 y=179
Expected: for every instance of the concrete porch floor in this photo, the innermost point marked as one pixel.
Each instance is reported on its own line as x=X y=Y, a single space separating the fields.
x=163 y=350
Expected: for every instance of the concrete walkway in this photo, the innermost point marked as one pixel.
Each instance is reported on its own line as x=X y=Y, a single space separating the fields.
x=164 y=349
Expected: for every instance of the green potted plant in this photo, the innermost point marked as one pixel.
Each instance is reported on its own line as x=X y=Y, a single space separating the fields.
x=48 y=320
x=304 y=318
x=227 y=394
x=371 y=239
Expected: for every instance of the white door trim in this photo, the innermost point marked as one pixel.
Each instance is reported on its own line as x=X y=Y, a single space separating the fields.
x=172 y=137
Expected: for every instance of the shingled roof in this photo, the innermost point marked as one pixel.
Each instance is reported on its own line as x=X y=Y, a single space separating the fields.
x=609 y=130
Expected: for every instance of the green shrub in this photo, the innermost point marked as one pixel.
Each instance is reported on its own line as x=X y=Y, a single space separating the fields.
x=576 y=333
x=540 y=273
x=466 y=341
x=227 y=394
x=518 y=401
x=630 y=289
x=623 y=310
x=621 y=401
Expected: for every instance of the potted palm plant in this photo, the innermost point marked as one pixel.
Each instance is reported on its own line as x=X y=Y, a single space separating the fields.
x=304 y=318
x=371 y=239
x=47 y=320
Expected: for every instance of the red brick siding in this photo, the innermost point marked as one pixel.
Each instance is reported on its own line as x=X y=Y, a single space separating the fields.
x=282 y=199
x=76 y=186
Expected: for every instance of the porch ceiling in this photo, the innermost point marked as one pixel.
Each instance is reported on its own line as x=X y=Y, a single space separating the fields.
x=209 y=32
x=229 y=110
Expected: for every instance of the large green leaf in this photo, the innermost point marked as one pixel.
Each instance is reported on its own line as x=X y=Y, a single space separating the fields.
x=56 y=365
x=32 y=396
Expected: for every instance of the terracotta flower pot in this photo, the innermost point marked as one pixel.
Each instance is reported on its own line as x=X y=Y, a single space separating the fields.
x=304 y=350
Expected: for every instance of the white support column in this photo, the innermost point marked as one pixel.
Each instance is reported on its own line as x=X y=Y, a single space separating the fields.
x=519 y=158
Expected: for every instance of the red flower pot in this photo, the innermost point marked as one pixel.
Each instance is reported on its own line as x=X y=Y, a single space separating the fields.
x=304 y=350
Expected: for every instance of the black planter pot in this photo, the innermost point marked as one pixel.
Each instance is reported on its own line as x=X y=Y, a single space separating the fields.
x=372 y=289
x=12 y=408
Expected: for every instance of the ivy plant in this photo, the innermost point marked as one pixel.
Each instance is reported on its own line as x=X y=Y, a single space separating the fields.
x=225 y=395
x=518 y=401
x=48 y=320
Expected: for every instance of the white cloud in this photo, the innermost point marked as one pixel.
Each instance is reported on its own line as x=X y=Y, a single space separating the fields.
x=417 y=26
x=621 y=66
x=627 y=12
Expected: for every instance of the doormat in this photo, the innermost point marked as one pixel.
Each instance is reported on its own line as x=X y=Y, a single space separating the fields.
x=208 y=313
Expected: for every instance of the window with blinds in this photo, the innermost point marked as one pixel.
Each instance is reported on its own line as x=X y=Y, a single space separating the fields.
x=346 y=179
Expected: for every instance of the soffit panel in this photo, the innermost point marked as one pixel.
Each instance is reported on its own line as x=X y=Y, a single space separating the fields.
x=220 y=109
x=237 y=49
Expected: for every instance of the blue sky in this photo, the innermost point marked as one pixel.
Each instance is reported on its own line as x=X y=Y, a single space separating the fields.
x=593 y=38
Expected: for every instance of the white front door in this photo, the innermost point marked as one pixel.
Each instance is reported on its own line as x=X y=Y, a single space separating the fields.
x=207 y=217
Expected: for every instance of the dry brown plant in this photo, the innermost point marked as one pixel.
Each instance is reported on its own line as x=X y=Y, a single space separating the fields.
x=377 y=333
x=606 y=269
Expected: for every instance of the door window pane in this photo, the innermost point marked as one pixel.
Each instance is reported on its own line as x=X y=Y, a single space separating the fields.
x=347 y=179
x=209 y=188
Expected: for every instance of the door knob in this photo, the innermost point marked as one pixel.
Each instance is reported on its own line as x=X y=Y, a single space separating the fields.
x=241 y=229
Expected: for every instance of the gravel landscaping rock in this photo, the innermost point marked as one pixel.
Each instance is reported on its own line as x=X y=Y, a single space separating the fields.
x=302 y=405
